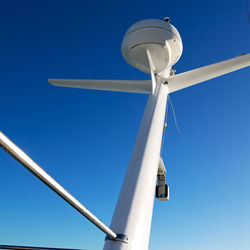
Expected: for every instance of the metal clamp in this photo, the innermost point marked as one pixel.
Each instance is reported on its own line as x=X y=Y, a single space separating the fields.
x=120 y=237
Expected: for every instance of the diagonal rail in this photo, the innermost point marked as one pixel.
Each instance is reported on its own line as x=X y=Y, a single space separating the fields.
x=35 y=169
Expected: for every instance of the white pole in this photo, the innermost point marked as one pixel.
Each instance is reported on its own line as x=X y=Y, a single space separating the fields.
x=133 y=213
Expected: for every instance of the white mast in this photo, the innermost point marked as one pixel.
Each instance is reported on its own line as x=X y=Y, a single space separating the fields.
x=134 y=209
x=152 y=46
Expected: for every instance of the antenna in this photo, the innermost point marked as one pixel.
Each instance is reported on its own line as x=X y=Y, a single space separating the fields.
x=152 y=46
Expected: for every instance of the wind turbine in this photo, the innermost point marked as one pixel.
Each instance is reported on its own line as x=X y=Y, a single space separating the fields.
x=152 y=46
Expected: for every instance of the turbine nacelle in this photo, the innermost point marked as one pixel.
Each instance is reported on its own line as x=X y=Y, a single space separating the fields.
x=153 y=37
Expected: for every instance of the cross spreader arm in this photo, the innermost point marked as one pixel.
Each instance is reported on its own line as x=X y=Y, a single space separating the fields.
x=134 y=86
x=202 y=74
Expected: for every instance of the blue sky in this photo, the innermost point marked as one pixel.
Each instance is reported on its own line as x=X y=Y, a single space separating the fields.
x=84 y=138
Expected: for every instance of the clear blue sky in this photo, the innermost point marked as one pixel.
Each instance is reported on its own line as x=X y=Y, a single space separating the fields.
x=84 y=138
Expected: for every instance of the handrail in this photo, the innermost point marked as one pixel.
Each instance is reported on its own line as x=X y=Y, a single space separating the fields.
x=35 y=169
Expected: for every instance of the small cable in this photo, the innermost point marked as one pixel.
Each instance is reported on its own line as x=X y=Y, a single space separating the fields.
x=164 y=126
x=165 y=122
x=175 y=121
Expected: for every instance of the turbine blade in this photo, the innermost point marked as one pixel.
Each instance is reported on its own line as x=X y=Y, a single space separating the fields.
x=202 y=74
x=33 y=248
x=134 y=86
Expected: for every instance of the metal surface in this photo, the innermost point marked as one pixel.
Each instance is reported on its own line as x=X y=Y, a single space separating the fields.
x=28 y=163
x=162 y=190
x=133 y=213
x=120 y=237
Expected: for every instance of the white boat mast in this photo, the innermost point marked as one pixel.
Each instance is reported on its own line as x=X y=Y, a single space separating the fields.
x=152 y=46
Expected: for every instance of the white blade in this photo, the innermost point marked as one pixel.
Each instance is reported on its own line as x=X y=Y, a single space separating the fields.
x=202 y=74
x=134 y=86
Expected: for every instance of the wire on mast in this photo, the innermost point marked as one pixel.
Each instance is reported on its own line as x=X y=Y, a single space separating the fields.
x=175 y=120
x=164 y=126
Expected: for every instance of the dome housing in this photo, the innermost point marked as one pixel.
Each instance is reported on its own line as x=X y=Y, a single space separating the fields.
x=160 y=38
